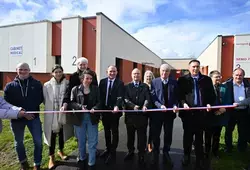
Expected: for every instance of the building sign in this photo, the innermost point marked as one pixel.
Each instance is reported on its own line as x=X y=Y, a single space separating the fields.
x=16 y=50
x=242 y=53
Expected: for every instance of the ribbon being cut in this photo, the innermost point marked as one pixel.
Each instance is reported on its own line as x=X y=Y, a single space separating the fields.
x=127 y=111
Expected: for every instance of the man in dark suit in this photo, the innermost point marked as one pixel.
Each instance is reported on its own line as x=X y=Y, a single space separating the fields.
x=112 y=93
x=217 y=119
x=164 y=95
x=195 y=90
x=137 y=97
x=237 y=89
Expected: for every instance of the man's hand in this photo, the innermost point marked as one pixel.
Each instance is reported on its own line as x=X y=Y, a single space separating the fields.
x=175 y=109
x=116 y=109
x=163 y=107
x=64 y=107
x=236 y=104
x=136 y=107
x=84 y=107
x=22 y=114
x=185 y=105
x=144 y=108
x=92 y=111
x=209 y=108
x=222 y=110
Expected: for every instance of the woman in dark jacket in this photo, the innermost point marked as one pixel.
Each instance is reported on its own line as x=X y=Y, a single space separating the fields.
x=148 y=77
x=86 y=97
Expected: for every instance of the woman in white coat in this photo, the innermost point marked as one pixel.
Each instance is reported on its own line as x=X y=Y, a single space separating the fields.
x=54 y=123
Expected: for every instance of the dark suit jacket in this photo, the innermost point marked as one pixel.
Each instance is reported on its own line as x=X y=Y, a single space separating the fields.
x=158 y=94
x=77 y=102
x=74 y=80
x=187 y=94
x=136 y=96
x=230 y=90
x=117 y=95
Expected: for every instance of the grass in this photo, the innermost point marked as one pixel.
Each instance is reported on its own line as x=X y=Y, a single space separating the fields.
x=8 y=157
x=233 y=161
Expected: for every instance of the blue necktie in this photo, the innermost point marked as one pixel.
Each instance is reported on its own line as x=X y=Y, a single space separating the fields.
x=197 y=92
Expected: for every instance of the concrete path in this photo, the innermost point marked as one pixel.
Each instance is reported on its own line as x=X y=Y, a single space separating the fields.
x=176 y=153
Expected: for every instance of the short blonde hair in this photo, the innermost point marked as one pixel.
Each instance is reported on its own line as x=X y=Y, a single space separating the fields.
x=145 y=77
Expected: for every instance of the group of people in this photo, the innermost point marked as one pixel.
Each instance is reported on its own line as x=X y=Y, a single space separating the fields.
x=82 y=92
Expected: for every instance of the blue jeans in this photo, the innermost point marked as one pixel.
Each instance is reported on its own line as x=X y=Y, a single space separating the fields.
x=35 y=129
x=84 y=132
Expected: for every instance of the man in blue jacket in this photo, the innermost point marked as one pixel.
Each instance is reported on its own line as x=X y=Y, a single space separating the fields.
x=26 y=92
x=164 y=95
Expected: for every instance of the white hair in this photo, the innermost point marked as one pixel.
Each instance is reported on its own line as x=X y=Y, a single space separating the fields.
x=81 y=60
x=165 y=67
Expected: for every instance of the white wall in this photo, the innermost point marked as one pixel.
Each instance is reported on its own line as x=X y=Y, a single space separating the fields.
x=35 y=41
x=113 y=42
x=242 y=53
x=71 y=43
x=178 y=63
x=211 y=56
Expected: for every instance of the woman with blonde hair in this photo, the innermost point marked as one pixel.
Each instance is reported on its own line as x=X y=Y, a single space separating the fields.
x=54 y=123
x=148 y=77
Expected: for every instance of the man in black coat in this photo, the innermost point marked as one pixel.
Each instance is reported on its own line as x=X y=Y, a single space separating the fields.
x=137 y=97
x=74 y=80
x=112 y=93
x=195 y=90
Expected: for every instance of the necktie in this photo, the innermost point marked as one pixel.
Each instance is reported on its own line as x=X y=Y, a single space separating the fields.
x=109 y=92
x=136 y=85
x=197 y=91
x=164 y=82
x=217 y=88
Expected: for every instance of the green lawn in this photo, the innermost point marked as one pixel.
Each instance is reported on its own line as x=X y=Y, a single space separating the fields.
x=8 y=158
x=233 y=161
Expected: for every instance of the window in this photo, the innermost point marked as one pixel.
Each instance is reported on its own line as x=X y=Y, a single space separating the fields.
x=58 y=60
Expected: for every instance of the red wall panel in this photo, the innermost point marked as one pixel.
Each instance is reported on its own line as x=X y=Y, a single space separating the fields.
x=56 y=38
x=126 y=69
x=227 y=57
x=89 y=41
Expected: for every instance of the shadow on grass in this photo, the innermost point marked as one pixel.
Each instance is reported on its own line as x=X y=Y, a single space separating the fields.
x=231 y=161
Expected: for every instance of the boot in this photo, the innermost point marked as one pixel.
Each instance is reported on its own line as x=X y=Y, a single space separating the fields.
x=51 y=161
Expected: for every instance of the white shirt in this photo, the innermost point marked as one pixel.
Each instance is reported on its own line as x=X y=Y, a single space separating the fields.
x=164 y=81
x=112 y=83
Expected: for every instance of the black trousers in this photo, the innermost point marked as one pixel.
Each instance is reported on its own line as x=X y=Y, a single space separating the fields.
x=239 y=117
x=156 y=126
x=111 y=130
x=193 y=132
x=53 y=142
x=212 y=139
x=141 y=129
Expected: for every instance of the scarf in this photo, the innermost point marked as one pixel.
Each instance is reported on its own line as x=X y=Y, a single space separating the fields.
x=58 y=93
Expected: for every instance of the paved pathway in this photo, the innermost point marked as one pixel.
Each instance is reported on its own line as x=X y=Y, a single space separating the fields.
x=176 y=153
